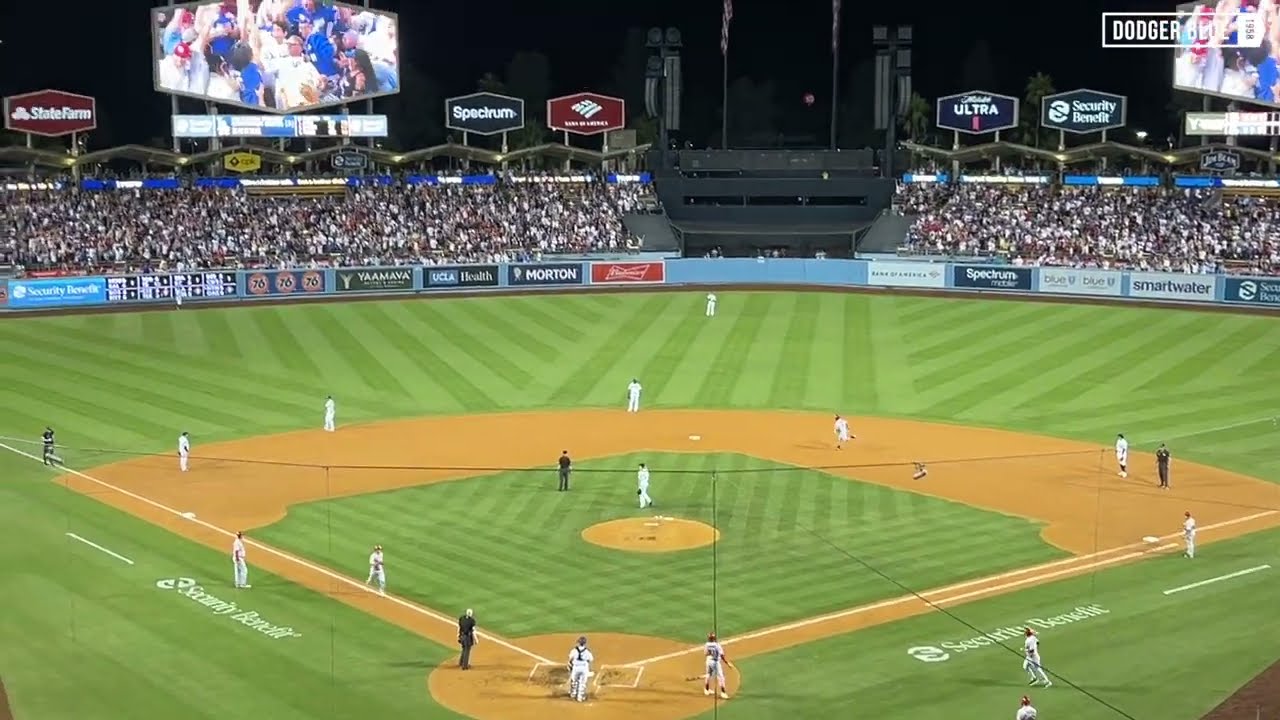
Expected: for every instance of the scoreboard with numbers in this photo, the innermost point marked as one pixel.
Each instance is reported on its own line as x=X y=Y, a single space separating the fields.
x=167 y=286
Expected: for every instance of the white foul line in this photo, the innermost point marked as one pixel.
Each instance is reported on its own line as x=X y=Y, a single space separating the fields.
x=96 y=546
x=283 y=555
x=1038 y=577
x=1220 y=578
x=1220 y=428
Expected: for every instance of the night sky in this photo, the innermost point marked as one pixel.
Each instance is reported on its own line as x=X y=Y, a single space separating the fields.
x=102 y=48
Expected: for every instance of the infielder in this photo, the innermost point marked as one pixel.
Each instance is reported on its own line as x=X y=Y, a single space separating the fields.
x=238 y=562
x=1122 y=455
x=580 y=659
x=377 y=571
x=184 y=450
x=48 y=447
x=330 y=412
x=842 y=432
x=633 y=396
x=716 y=660
x=711 y=304
x=642 y=489
x=1031 y=659
x=1189 y=534
x=1025 y=711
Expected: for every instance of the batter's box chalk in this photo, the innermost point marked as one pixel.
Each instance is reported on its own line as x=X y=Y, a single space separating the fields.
x=619 y=677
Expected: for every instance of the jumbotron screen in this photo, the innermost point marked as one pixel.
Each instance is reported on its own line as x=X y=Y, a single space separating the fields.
x=280 y=56
x=1213 y=64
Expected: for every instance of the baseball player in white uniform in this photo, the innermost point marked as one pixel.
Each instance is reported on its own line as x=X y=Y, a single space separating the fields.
x=1025 y=710
x=1122 y=455
x=238 y=561
x=580 y=659
x=377 y=571
x=633 y=396
x=842 y=432
x=642 y=487
x=711 y=304
x=184 y=451
x=716 y=660
x=1031 y=659
x=1189 y=534
x=330 y=413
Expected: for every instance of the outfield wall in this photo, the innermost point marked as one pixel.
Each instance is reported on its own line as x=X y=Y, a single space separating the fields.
x=98 y=292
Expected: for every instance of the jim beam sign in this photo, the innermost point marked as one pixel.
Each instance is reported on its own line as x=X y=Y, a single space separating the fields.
x=1220 y=162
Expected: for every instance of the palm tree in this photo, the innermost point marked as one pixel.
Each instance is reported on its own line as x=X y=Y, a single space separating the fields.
x=1038 y=86
x=491 y=83
x=918 y=118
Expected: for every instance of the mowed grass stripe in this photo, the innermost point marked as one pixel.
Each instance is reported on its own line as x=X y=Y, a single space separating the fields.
x=280 y=327
x=600 y=374
x=420 y=341
x=683 y=339
x=769 y=355
x=993 y=319
x=469 y=350
x=726 y=369
x=794 y=366
x=343 y=327
x=1199 y=356
x=553 y=319
x=382 y=338
x=859 y=382
x=486 y=319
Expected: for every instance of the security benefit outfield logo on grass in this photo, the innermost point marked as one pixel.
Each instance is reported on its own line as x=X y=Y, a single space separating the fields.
x=1254 y=291
x=189 y=589
x=906 y=274
x=1172 y=286
x=462 y=276
x=992 y=277
x=1080 y=282
x=545 y=274
x=1011 y=635
x=374 y=280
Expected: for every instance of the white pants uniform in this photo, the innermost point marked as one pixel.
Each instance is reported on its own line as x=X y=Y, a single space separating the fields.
x=1189 y=537
x=633 y=402
x=580 y=659
x=715 y=671
x=842 y=435
x=645 y=500
x=182 y=460
x=329 y=423
x=1031 y=664
x=711 y=308
x=242 y=573
x=379 y=576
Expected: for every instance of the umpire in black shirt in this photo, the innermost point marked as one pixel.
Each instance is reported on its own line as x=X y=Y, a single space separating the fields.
x=565 y=466
x=1162 y=465
x=466 y=638
x=48 y=445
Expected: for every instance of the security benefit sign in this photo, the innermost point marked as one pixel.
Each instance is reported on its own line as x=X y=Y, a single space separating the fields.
x=1083 y=111
x=374 y=280
x=991 y=277
x=1252 y=291
x=977 y=112
x=545 y=274
x=286 y=282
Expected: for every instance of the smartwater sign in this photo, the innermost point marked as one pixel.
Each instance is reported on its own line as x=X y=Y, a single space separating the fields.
x=62 y=292
x=987 y=277
x=906 y=274
x=1253 y=291
x=1171 y=286
x=1080 y=282
x=547 y=274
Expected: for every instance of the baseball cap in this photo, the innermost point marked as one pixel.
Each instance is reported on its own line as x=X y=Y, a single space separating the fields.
x=182 y=50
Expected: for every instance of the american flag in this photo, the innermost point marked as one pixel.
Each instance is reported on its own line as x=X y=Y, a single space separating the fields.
x=835 y=26
x=725 y=19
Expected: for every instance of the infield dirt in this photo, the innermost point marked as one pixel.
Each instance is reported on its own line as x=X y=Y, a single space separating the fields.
x=1071 y=488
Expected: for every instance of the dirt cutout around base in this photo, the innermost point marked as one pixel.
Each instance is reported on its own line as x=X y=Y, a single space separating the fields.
x=657 y=534
x=1071 y=488
x=500 y=690
x=6 y=710
x=1258 y=698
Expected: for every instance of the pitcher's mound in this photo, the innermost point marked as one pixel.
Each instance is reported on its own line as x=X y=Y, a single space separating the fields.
x=651 y=534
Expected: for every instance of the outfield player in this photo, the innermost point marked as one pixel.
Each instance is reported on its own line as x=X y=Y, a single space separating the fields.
x=1031 y=659
x=1122 y=455
x=377 y=571
x=580 y=659
x=330 y=412
x=238 y=561
x=184 y=450
x=842 y=432
x=633 y=396
x=1025 y=710
x=48 y=447
x=1189 y=534
x=642 y=489
x=716 y=660
x=711 y=304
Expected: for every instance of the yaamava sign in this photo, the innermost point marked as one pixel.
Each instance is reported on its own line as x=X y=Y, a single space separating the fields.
x=191 y=590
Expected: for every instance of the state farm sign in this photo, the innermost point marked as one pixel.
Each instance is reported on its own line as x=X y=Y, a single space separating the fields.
x=586 y=113
x=51 y=113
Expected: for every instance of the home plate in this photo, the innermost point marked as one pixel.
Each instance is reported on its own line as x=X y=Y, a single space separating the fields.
x=695 y=437
x=1150 y=539
x=189 y=515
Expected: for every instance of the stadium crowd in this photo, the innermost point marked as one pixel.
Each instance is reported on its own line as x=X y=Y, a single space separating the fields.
x=145 y=230
x=1187 y=231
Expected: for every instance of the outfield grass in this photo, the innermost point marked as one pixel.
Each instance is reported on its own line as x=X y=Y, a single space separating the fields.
x=795 y=543
x=123 y=648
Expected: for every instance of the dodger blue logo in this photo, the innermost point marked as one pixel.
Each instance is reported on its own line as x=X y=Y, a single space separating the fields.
x=60 y=292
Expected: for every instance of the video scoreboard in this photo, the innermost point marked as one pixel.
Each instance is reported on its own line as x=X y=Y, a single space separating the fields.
x=166 y=286
x=1242 y=124
x=279 y=126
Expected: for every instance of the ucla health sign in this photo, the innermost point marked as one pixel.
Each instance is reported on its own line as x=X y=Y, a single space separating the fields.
x=992 y=277
x=1080 y=282
x=60 y=292
x=1172 y=286
x=1254 y=291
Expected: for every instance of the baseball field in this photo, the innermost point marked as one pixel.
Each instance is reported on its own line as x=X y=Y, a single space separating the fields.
x=838 y=582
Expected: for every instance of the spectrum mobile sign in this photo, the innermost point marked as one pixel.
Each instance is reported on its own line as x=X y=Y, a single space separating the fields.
x=50 y=113
x=484 y=113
